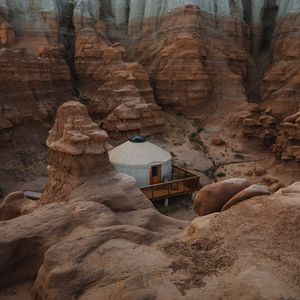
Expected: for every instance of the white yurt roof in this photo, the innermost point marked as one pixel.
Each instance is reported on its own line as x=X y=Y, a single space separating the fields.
x=138 y=154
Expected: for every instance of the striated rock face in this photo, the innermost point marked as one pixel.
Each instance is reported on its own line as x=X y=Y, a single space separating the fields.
x=124 y=102
x=281 y=81
x=224 y=194
x=190 y=65
x=125 y=106
x=78 y=151
x=31 y=87
x=260 y=124
x=287 y=144
x=200 y=58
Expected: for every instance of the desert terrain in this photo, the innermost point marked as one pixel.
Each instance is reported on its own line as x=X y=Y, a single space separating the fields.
x=214 y=83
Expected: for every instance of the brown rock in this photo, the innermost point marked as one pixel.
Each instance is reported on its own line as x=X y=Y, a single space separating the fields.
x=14 y=205
x=247 y=193
x=275 y=187
x=29 y=236
x=259 y=171
x=212 y=197
x=286 y=146
x=217 y=142
x=77 y=145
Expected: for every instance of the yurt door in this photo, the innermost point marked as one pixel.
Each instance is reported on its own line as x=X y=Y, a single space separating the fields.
x=155 y=174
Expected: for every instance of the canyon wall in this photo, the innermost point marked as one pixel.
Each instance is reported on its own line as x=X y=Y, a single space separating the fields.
x=201 y=58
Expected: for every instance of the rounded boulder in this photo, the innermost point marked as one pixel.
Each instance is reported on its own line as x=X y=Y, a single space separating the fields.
x=213 y=197
x=249 y=192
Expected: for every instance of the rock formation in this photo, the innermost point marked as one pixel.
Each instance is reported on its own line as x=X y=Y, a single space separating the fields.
x=94 y=234
x=213 y=197
x=287 y=144
x=222 y=195
x=259 y=123
x=84 y=191
x=200 y=58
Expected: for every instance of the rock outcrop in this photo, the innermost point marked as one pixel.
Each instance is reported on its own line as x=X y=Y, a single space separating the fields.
x=125 y=106
x=211 y=198
x=287 y=144
x=222 y=195
x=200 y=58
x=258 y=123
x=241 y=231
x=15 y=204
x=280 y=82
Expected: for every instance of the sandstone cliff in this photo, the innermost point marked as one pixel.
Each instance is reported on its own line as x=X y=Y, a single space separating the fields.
x=204 y=59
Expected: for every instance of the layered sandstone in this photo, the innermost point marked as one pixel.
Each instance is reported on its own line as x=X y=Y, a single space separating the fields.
x=189 y=61
x=125 y=105
x=287 y=144
x=280 y=83
x=77 y=145
x=259 y=123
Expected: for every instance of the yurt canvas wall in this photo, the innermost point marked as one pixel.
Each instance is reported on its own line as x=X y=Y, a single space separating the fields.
x=137 y=160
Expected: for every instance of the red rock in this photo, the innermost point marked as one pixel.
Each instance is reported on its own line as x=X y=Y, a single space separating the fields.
x=213 y=197
x=15 y=204
x=247 y=193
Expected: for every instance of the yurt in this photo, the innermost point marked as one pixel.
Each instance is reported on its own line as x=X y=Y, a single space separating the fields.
x=146 y=162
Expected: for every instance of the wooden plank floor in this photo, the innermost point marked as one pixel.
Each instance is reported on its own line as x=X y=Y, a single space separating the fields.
x=176 y=189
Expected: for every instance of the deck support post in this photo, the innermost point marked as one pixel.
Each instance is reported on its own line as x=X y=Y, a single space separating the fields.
x=166 y=202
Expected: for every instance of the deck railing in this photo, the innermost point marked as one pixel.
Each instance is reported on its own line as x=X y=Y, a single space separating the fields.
x=185 y=183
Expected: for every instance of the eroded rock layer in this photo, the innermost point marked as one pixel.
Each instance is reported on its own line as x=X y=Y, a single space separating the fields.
x=201 y=58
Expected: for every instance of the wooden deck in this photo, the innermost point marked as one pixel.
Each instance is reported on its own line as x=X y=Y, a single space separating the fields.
x=184 y=183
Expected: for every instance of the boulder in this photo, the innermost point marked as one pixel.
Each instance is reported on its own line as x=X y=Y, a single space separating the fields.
x=249 y=192
x=212 y=197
